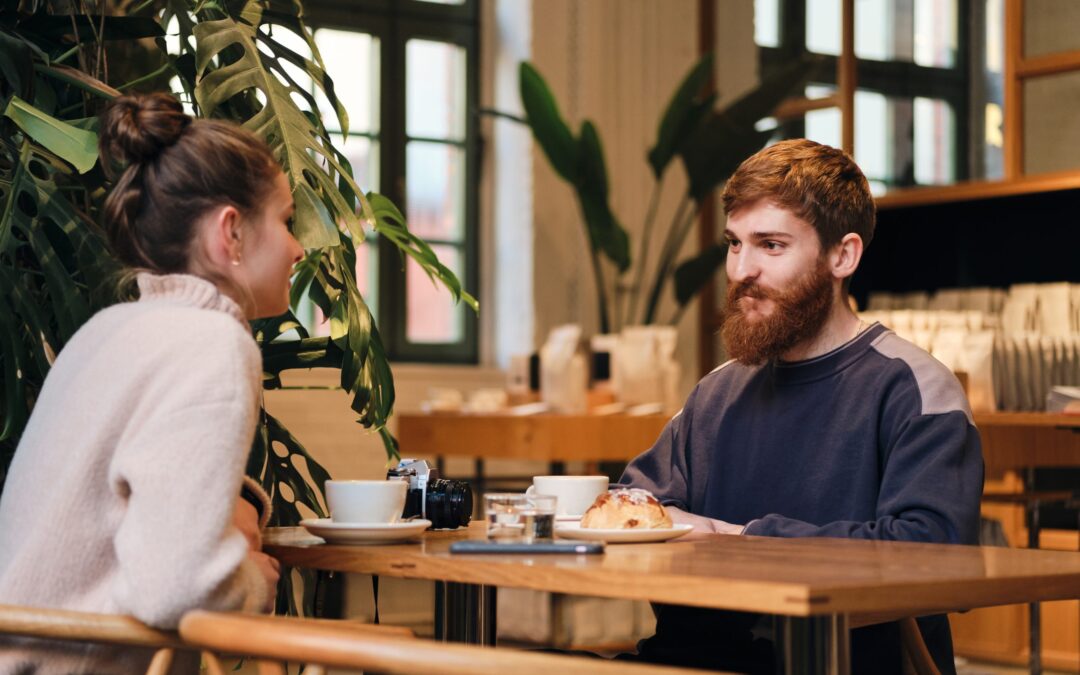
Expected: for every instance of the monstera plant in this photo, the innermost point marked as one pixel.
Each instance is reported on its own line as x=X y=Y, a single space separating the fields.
x=61 y=63
x=710 y=142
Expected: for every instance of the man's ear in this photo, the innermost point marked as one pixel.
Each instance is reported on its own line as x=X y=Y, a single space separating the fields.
x=845 y=256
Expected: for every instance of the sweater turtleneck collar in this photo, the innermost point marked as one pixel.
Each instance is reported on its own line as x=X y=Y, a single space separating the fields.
x=186 y=289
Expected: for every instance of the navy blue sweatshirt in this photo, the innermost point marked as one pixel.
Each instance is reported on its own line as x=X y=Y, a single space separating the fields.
x=873 y=440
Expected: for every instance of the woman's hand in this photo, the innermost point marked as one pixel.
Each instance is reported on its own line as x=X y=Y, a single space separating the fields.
x=701 y=523
x=246 y=519
x=271 y=571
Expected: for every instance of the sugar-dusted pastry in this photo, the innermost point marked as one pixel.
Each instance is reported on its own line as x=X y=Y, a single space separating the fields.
x=626 y=509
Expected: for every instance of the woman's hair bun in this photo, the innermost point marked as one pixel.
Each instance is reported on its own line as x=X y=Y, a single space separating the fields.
x=136 y=128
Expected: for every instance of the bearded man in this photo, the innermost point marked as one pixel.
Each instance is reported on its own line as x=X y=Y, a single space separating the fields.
x=820 y=425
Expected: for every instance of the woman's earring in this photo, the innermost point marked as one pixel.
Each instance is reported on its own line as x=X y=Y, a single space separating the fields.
x=236 y=261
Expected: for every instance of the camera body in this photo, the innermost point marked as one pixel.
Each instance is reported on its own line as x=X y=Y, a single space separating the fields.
x=446 y=503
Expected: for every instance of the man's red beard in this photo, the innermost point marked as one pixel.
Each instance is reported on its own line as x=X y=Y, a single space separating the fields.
x=798 y=314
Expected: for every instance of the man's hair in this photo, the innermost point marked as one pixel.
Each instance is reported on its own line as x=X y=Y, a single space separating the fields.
x=819 y=184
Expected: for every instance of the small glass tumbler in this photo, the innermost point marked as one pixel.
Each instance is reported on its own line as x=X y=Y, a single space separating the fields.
x=519 y=517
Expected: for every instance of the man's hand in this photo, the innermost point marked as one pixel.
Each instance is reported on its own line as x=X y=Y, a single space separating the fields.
x=246 y=519
x=271 y=571
x=701 y=523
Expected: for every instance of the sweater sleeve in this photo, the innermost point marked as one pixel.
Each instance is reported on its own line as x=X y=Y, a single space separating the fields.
x=663 y=468
x=930 y=488
x=180 y=469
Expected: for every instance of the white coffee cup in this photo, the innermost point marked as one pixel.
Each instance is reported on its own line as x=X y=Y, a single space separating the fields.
x=576 y=493
x=366 y=501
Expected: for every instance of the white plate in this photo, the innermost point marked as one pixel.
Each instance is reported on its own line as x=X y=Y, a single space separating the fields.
x=364 y=533
x=575 y=531
x=563 y=518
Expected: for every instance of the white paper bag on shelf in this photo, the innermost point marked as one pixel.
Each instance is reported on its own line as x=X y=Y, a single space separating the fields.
x=564 y=378
x=1055 y=309
x=977 y=360
x=645 y=369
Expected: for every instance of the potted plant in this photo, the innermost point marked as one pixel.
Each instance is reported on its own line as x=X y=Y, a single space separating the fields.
x=61 y=63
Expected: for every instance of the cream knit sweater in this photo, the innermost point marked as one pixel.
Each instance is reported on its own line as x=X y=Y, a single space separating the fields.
x=121 y=493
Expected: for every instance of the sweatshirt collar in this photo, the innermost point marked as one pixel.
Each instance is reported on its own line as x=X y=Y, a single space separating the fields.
x=188 y=290
x=796 y=372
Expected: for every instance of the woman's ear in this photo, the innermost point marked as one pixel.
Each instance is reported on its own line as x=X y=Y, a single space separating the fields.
x=223 y=237
x=845 y=256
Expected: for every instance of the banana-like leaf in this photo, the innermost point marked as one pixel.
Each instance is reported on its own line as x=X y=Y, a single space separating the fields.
x=723 y=139
x=294 y=139
x=692 y=274
x=16 y=65
x=605 y=232
x=391 y=224
x=548 y=127
x=74 y=145
x=78 y=79
x=683 y=114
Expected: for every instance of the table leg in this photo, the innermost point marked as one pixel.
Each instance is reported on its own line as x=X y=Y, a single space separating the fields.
x=816 y=645
x=1035 y=616
x=465 y=613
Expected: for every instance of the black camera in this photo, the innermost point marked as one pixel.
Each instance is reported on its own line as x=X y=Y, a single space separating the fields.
x=446 y=503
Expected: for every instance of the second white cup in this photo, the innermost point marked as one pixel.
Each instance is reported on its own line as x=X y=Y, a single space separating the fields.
x=576 y=493
x=366 y=501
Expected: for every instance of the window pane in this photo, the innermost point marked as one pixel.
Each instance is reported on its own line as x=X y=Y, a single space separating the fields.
x=935 y=33
x=435 y=187
x=363 y=155
x=432 y=316
x=767 y=23
x=823 y=26
x=435 y=90
x=935 y=138
x=352 y=60
x=923 y=31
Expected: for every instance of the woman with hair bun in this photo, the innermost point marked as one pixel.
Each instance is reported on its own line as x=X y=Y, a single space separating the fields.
x=122 y=496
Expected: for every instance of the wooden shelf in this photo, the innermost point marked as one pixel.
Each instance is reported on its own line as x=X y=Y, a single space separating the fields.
x=976 y=190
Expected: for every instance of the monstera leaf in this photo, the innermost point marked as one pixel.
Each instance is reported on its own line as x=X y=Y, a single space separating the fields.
x=297 y=142
x=53 y=272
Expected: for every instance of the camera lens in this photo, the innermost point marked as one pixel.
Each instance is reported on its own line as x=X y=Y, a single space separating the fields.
x=449 y=503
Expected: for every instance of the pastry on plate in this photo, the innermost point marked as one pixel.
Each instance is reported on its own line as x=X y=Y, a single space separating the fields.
x=626 y=509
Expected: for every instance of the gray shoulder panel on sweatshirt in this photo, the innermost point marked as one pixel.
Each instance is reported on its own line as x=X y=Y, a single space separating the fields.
x=940 y=390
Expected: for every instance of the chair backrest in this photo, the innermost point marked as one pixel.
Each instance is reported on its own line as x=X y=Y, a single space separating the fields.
x=340 y=645
x=59 y=624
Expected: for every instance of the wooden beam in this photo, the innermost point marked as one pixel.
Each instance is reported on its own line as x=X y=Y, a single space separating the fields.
x=846 y=79
x=794 y=108
x=1050 y=64
x=707 y=216
x=1014 y=89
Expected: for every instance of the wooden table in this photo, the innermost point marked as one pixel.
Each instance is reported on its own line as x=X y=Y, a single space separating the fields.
x=816 y=585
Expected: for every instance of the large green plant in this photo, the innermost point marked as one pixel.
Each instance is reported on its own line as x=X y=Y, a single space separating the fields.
x=60 y=64
x=711 y=144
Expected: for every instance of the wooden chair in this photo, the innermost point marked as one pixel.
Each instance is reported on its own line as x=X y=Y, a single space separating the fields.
x=329 y=644
x=58 y=624
x=111 y=629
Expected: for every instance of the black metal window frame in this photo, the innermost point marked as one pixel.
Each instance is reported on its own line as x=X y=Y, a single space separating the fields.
x=898 y=79
x=394 y=23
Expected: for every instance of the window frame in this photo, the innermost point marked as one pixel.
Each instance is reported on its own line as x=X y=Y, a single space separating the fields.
x=394 y=23
x=899 y=79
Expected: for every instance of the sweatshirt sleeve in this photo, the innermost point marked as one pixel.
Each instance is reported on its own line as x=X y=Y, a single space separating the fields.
x=930 y=488
x=179 y=467
x=663 y=468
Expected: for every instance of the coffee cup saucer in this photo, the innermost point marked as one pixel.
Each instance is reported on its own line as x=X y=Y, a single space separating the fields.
x=364 y=533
